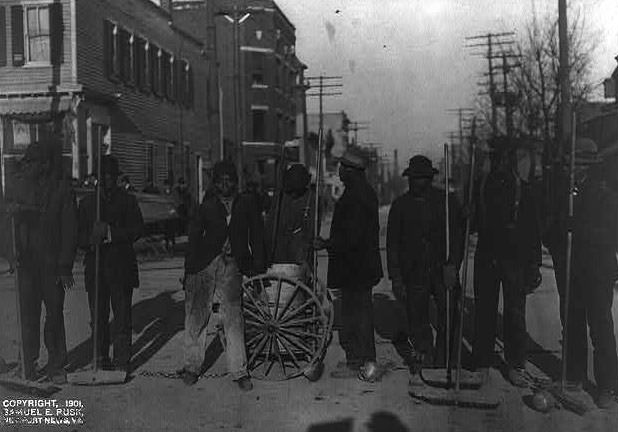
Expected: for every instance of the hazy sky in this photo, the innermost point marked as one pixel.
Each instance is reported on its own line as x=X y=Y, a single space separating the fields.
x=404 y=63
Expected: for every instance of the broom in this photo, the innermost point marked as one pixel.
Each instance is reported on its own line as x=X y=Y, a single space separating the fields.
x=96 y=376
x=464 y=394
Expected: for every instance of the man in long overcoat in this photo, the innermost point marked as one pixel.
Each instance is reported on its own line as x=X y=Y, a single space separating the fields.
x=45 y=214
x=418 y=264
x=120 y=225
x=355 y=266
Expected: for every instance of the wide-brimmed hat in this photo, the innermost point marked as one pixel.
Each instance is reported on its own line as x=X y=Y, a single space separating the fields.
x=420 y=167
x=353 y=159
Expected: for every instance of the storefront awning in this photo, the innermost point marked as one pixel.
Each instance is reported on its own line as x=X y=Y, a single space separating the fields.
x=35 y=105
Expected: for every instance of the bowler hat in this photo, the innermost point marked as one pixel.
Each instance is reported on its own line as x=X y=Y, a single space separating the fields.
x=419 y=167
x=352 y=159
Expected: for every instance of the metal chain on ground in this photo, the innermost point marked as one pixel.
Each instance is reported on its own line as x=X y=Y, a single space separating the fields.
x=176 y=374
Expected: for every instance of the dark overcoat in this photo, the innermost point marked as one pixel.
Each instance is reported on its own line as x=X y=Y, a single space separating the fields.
x=354 y=246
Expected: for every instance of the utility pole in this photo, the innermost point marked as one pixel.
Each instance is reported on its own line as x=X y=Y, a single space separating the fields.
x=492 y=39
x=323 y=82
x=236 y=17
x=356 y=126
x=565 y=83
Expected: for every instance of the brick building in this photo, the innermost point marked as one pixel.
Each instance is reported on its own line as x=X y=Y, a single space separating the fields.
x=111 y=74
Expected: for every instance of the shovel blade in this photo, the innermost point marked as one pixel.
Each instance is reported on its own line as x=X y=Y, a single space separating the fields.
x=437 y=377
x=28 y=387
x=99 y=377
x=463 y=399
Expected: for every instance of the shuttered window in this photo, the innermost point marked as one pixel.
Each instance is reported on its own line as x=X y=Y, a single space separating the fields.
x=166 y=74
x=3 y=36
x=17 y=35
x=188 y=86
x=38 y=36
x=111 y=55
x=155 y=69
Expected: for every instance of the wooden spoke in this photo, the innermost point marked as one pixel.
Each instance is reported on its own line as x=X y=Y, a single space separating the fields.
x=300 y=334
x=298 y=344
x=278 y=353
x=289 y=302
x=301 y=322
x=254 y=339
x=296 y=311
x=253 y=323
x=254 y=315
x=289 y=350
x=278 y=297
x=265 y=315
x=268 y=352
x=259 y=349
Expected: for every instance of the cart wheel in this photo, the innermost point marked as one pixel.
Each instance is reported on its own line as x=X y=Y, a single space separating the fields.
x=286 y=327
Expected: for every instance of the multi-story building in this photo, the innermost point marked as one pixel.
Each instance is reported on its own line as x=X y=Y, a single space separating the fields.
x=270 y=82
x=114 y=75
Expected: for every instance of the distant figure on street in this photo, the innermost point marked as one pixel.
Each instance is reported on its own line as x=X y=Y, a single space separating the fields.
x=184 y=204
x=226 y=240
x=355 y=267
x=45 y=212
x=508 y=254
x=121 y=224
x=417 y=260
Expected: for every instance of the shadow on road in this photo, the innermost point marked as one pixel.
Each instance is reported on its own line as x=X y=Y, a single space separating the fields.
x=381 y=421
x=158 y=319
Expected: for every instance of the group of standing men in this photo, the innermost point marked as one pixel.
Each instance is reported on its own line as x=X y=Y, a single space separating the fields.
x=226 y=241
x=48 y=228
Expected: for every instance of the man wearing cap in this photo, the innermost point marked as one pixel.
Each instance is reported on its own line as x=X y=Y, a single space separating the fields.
x=355 y=266
x=226 y=241
x=119 y=226
x=508 y=255
x=45 y=213
x=418 y=265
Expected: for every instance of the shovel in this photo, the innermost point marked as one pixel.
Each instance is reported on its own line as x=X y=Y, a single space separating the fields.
x=96 y=376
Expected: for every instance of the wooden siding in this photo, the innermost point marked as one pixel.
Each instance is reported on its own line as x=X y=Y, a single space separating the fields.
x=36 y=78
x=139 y=117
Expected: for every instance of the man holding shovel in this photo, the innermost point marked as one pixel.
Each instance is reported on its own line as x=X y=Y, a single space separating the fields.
x=43 y=208
x=418 y=264
x=113 y=232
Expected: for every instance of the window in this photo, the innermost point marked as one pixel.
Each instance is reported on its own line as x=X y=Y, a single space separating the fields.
x=257 y=78
x=167 y=81
x=125 y=55
x=142 y=71
x=155 y=69
x=187 y=96
x=259 y=125
x=38 y=35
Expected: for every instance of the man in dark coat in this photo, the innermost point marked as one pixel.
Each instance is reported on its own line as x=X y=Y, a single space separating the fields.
x=120 y=225
x=355 y=266
x=417 y=260
x=45 y=213
x=593 y=275
x=508 y=254
x=292 y=242
x=226 y=240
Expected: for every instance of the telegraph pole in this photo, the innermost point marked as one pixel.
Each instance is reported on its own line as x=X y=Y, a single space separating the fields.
x=236 y=17
x=322 y=82
x=492 y=39
x=356 y=126
x=565 y=83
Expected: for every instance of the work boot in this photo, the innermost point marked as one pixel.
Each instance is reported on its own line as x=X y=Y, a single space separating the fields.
x=245 y=383
x=58 y=377
x=370 y=372
x=517 y=377
x=605 y=399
